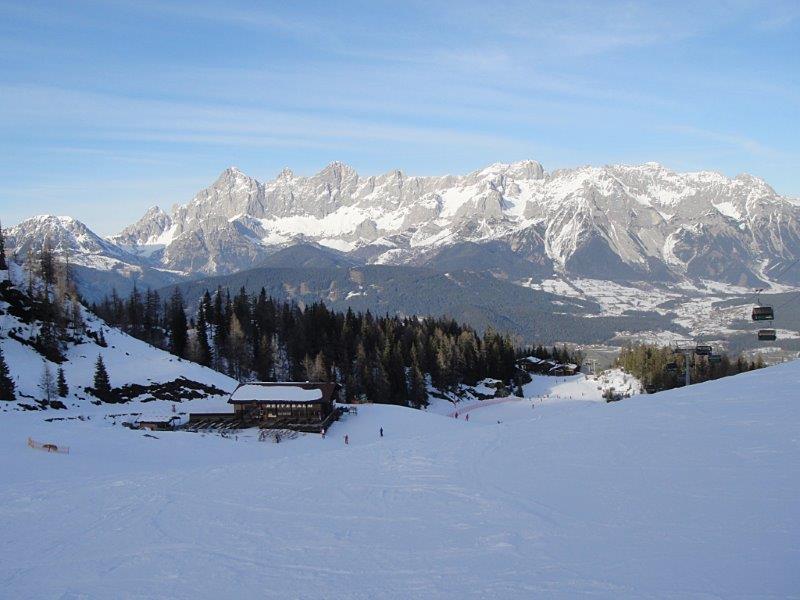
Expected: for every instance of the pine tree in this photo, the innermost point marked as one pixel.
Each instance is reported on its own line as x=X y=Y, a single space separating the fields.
x=7 y=387
x=237 y=350
x=308 y=368
x=47 y=264
x=280 y=359
x=396 y=374
x=201 y=331
x=48 y=341
x=135 y=311
x=178 y=327
x=315 y=370
x=3 y=263
x=153 y=334
x=320 y=368
x=102 y=384
x=418 y=392
x=48 y=383
x=76 y=316
x=61 y=384
x=262 y=358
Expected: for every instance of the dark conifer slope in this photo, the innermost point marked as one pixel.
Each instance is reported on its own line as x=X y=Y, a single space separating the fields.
x=476 y=298
x=388 y=359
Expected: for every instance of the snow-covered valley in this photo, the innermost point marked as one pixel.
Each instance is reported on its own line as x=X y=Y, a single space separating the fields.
x=688 y=493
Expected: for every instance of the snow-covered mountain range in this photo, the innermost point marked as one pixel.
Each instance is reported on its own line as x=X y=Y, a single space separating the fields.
x=97 y=264
x=641 y=222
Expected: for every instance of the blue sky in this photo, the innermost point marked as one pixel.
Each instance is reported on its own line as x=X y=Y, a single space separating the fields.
x=107 y=108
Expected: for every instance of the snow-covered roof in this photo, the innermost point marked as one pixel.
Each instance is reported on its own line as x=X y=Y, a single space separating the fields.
x=277 y=392
x=531 y=359
x=548 y=363
x=150 y=418
x=568 y=367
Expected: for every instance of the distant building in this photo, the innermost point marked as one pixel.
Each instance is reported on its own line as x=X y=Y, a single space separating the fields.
x=564 y=369
x=531 y=364
x=539 y=366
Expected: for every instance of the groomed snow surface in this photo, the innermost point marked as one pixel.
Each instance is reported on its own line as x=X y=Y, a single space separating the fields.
x=684 y=494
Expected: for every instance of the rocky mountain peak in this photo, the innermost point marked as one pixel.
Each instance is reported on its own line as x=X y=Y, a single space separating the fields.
x=338 y=174
x=639 y=220
x=231 y=176
x=286 y=174
x=62 y=233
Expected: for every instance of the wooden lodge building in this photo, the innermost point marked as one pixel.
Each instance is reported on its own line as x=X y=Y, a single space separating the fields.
x=302 y=406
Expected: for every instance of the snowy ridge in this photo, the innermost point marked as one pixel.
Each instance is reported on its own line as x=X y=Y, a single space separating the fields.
x=636 y=215
x=613 y=222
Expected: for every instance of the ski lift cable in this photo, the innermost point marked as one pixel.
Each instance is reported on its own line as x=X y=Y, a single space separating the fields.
x=791 y=298
x=780 y=273
x=786 y=268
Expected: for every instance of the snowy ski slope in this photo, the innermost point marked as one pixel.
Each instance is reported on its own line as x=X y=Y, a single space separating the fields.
x=683 y=494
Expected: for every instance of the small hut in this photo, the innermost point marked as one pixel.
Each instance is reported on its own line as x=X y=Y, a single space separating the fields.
x=165 y=424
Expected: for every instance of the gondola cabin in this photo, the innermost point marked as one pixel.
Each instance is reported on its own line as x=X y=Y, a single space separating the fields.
x=763 y=313
x=703 y=350
x=767 y=335
x=671 y=367
x=715 y=359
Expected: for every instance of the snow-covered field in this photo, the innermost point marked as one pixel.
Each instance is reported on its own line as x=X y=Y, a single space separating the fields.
x=614 y=298
x=688 y=493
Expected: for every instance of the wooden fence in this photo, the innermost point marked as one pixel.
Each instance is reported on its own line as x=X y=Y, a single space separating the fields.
x=47 y=447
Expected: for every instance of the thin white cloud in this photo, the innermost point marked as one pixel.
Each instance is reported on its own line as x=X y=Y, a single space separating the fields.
x=739 y=142
x=114 y=117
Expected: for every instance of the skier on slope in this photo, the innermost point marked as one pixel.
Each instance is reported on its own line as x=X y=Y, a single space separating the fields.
x=467 y=417
x=346 y=440
x=381 y=431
